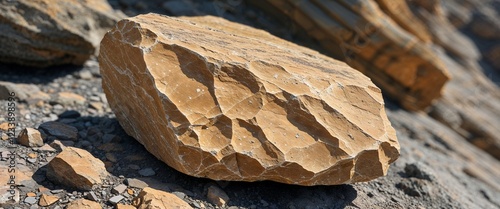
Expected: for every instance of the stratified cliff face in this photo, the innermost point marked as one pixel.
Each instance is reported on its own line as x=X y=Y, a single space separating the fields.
x=410 y=50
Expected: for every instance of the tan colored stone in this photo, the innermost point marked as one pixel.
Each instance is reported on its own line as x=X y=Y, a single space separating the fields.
x=69 y=98
x=30 y=137
x=217 y=196
x=122 y=206
x=56 y=31
x=229 y=102
x=76 y=168
x=4 y=126
x=83 y=204
x=150 y=198
x=360 y=33
x=46 y=200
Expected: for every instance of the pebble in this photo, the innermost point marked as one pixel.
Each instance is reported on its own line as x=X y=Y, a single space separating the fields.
x=217 y=196
x=116 y=199
x=136 y=183
x=70 y=114
x=60 y=130
x=30 y=200
x=147 y=172
x=119 y=189
x=91 y=196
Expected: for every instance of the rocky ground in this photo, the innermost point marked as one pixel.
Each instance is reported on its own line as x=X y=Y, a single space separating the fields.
x=437 y=169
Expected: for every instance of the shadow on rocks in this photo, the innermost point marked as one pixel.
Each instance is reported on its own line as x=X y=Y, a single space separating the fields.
x=125 y=158
x=32 y=75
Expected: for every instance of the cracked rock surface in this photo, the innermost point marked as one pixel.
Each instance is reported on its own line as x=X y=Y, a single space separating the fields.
x=236 y=103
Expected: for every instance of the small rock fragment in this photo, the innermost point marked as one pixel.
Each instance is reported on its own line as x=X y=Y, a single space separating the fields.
x=91 y=196
x=76 y=168
x=46 y=200
x=83 y=204
x=217 y=196
x=60 y=130
x=119 y=189
x=30 y=137
x=69 y=98
x=122 y=206
x=152 y=198
x=147 y=172
x=115 y=199
x=136 y=183
x=30 y=200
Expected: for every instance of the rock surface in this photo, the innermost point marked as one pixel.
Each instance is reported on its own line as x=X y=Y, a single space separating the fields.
x=53 y=32
x=237 y=103
x=76 y=168
x=30 y=137
x=394 y=56
x=152 y=198
x=83 y=204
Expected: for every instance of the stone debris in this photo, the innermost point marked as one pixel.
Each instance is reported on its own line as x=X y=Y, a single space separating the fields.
x=30 y=137
x=217 y=196
x=59 y=130
x=47 y=200
x=62 y=34
x=23 y=92
x=119 y=189
x=83 y=204
x=152 y=198
x=122 y=206
x=30 y=200
x=392 y=52
x=76 y=168
x=69 y=98
x=147 y=172
x=136 y=183
x=247 y=109
x=116 y=199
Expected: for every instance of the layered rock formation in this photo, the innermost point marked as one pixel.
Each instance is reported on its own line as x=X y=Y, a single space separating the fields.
x=385 y=39
x=359 y=32
x=216 y=99
x=52 y=32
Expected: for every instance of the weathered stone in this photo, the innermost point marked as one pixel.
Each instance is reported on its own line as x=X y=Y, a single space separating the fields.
x=393 y=56
x=59 y=130
x=229 y=102
x=121 y=206
x=69 y=98
x=22 y=92
x=46 y=200
x=152 y=198
x=136 y=183
x=493 y=56
x=119 y=189
x=217 y=196
x=83 y=204
x=76 y=168
x=116 y=199
x=52 y=32
x=30 y=137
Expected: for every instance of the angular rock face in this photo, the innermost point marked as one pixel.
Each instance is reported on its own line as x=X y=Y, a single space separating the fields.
x=76 y=168
x=216 y=99
x=152 y=198
x=394 y=56
x=52 y=32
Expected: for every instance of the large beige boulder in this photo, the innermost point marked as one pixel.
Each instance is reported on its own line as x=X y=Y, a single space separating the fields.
x=52 y=32
x=217 y=99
